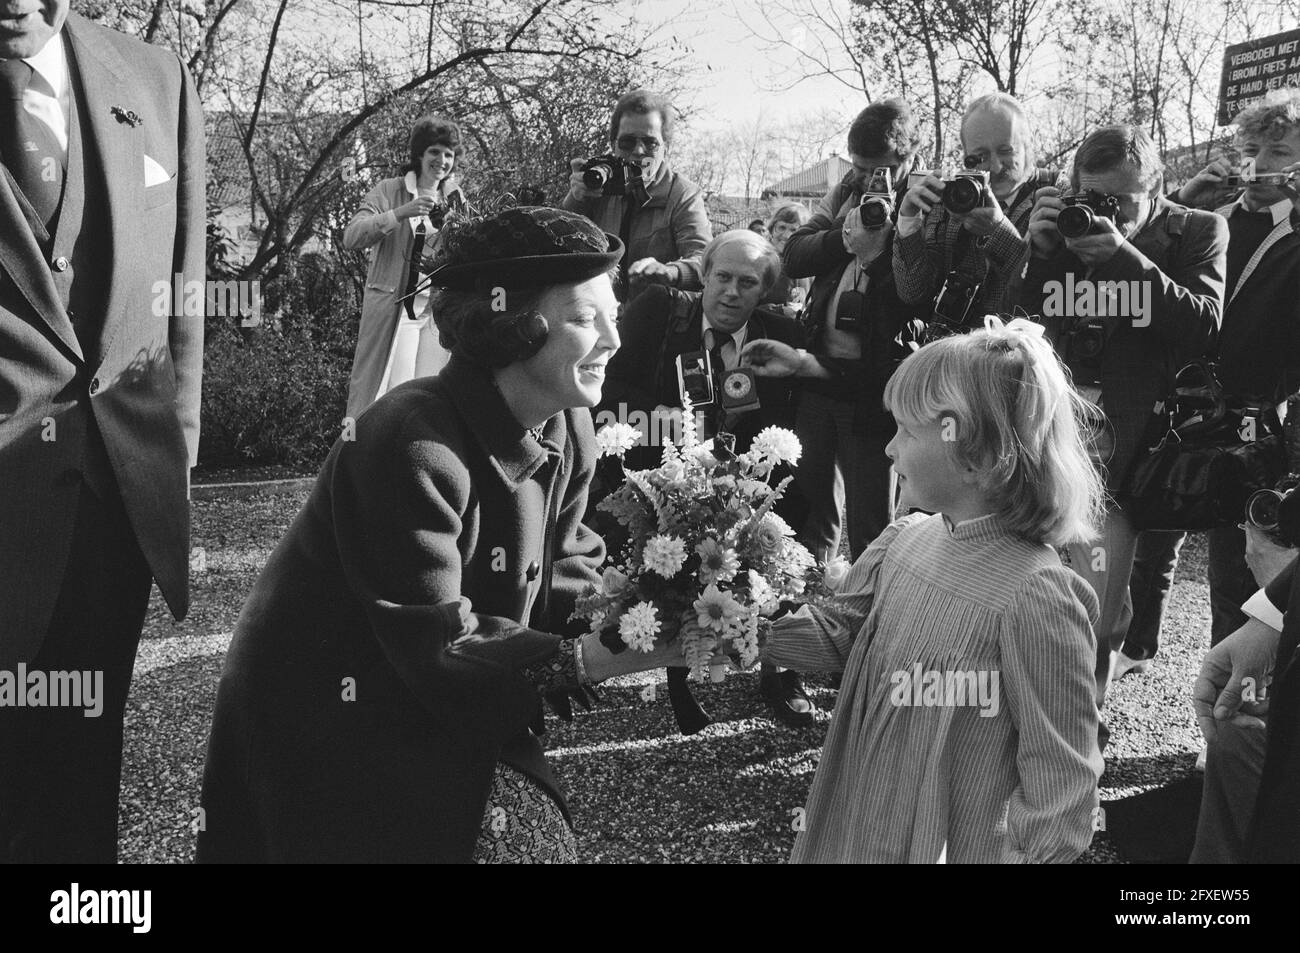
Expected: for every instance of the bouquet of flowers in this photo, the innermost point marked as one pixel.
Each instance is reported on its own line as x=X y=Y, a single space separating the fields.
x=706 y=560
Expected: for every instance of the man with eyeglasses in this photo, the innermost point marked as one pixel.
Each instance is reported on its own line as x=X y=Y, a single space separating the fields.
x=664 y=227
x=961 y=265
x=1128 y=292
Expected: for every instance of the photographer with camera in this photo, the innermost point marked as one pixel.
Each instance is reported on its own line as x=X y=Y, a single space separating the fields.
x=399 y=220
x=961 y=241
x=1257 y=356
x=632 y=192
x=1247 y=701
x=1118 y=233
x=668 y=336
x=852 y=316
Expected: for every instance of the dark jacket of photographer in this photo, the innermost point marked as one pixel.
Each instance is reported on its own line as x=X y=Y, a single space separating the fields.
x=817 y=250
x=672 y=228
x=662 y=323
x=1258 y=352
x=1182 y=254
x=924 y=258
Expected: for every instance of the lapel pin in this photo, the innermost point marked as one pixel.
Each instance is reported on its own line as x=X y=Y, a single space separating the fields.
x=128 y=116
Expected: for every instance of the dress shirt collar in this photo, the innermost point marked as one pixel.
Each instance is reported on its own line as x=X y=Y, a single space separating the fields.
x=1280 y=211
x=738 y=336
x=51 y=65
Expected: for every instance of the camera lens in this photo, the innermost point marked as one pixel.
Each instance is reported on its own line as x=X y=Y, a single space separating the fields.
x=875 y=212
x=1089 y=341
x=962 y=195
x=595 y=177
x=1074 y=221
x=1264 y=509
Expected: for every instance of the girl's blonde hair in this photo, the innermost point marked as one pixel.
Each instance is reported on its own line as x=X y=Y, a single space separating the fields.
x=1016 y=419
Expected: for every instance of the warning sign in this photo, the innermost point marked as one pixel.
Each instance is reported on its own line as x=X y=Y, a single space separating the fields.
x=1250 y=70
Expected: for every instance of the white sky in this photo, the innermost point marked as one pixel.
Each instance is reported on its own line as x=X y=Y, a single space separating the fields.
x=744 y=74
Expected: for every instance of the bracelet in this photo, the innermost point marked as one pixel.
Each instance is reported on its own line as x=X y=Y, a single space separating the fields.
x=577 y=662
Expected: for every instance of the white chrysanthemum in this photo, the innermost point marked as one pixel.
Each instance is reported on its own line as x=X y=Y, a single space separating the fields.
x=664 y=555
x=638 y=627
x=761 y=594
x=617 y=439
x=777 y=444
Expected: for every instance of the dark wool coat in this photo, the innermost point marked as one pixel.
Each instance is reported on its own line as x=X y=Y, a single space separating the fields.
x=375 y=676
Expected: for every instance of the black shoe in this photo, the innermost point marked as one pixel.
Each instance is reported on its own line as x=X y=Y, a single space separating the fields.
x=691 y=718
x=785 y=696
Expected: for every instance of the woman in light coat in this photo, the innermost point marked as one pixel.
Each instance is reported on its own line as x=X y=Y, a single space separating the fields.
x=399 y=220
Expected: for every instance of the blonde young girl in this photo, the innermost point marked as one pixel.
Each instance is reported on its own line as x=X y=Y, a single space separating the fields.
x=966 y=726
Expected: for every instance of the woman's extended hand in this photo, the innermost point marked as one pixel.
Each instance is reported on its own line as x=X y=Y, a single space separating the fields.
x=601 y=663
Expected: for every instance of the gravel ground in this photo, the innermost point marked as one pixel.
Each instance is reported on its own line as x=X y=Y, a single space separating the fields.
x=639 y=790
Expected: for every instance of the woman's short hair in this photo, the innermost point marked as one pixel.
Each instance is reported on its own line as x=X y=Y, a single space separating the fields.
x=885 y=126
x=791 y=213
x=1273 y=117
x=643 y=101
x=756 y=243
x=1016 y=419
x=472 y=326
x=432 y=131
x=1110 y=147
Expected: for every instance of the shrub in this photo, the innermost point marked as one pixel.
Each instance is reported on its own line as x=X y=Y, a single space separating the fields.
x=276 y=394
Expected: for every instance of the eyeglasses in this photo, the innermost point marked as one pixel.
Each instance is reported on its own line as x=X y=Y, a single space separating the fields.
x=648 y=143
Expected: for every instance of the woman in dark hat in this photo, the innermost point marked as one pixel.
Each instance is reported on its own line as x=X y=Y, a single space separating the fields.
x=378 y=695
x=398 y=220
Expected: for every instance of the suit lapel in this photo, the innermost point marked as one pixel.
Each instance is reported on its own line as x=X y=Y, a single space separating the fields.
x=22 y=259
x=106 y=81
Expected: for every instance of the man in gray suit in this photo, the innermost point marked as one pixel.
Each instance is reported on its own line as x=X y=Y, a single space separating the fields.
x=101 y=205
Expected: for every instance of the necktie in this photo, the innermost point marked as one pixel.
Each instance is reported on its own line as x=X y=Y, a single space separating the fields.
x=27 y=147
x=720 y=340
x=413 y=276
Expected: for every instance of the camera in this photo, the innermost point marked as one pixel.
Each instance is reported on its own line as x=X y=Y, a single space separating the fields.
x=966 y=191
x=962 y=191
x=1087 y=339
x=1277 y=511
x=739 y=390
x=877 y=203
x=695 y=377
x=956 y=299
x=613 y=175
x=727 y=392
x=1082 y=211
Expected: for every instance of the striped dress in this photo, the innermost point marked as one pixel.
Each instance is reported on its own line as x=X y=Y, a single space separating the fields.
x=966 y=727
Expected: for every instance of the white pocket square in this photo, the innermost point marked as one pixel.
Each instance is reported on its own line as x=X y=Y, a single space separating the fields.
x=154 y=174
